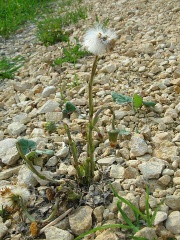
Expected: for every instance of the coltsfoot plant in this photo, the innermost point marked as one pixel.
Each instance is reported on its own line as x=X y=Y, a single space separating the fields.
x=97 y=41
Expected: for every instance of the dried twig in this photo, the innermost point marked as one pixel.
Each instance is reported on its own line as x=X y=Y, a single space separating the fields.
x=56 y=220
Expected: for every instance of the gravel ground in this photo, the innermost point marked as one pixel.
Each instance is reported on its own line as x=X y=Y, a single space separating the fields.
x=145 y=60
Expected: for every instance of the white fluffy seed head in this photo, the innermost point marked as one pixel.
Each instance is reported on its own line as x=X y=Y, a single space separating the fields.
x=99 y=40
x=7 y=192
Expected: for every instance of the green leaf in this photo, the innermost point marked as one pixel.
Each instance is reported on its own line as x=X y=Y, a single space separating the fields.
x=69 y=108
x=121 y=99
x=149 y=104
x=128 y=221
x=31 y=155
x=45 y=151
x=124 y=132
x=26 y=145
x=137 y=101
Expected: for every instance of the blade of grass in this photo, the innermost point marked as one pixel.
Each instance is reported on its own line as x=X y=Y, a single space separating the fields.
x=128 y=203
x=101 y=228
x=148 y=219
x=128 y=221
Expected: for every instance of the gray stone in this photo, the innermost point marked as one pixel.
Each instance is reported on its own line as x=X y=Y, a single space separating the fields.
x=120 y=114
x=1 y=135
x=146 y=232
x=138 y=146
x=173 y=222
x=63 y=168
x=117 y=171
x=48 y=90
x=106 y=161
x=98 y=213
x=62 y=153
x=25 y=177
x=8 y=152
x=7 y=173
x=11 y=156
x=164 y=180
x=160 y=217
x=21 y=86
x=16 y=128
x=52 y=161
x=152 y=169
x=171 y=112
x=173 y=202
x=129 y=212
x=81 y=220
x=109 y=235
x=53 y=116
x=110 y=68
x=3 y=230
x=49 y=106
x=147 y=48
x=57 y=234
x=21 y=118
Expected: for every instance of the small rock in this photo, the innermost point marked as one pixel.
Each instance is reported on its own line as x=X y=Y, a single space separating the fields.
x=146 y=232
x=106 y=161
x=176 y=138
x=176 y=180
x=5 y=174
x=160 y=217
x=109 y=235
x=98 y=213
x=21 y=118
x=63 y=168
x=110 y=68
x=8 y=151
x=164 y=180
x=177 y=73
x=173 y=202
x=147 y=48
x=71 y=170
x=49 y=106
x=62 y=153
x=26 y=177
x=3 y=230
x=48 y=90
x=81 y=220
x=117 y=171
x=52 y=161
x=171 y=112
x=1 y=135
x=57 y=234
x=152 y=169
x=173 y=222
x=138 y=146
x=16 y=128
x=53 y=116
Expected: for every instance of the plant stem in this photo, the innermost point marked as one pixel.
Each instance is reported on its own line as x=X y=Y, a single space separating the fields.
x=74 y=151
x=90 y=148
x=31 y=166
x=95 y=119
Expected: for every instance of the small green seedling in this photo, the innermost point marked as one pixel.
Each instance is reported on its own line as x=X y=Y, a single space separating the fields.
x=137 y=101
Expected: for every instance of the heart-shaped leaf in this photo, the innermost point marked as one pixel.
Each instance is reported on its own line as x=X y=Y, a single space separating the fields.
x=69 y=108
x=121 y=99
x=26 y=145
x=137 y=101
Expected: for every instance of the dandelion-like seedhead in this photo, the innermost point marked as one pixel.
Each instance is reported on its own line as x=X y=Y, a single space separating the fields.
x=99 y=40
x=10 y=196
